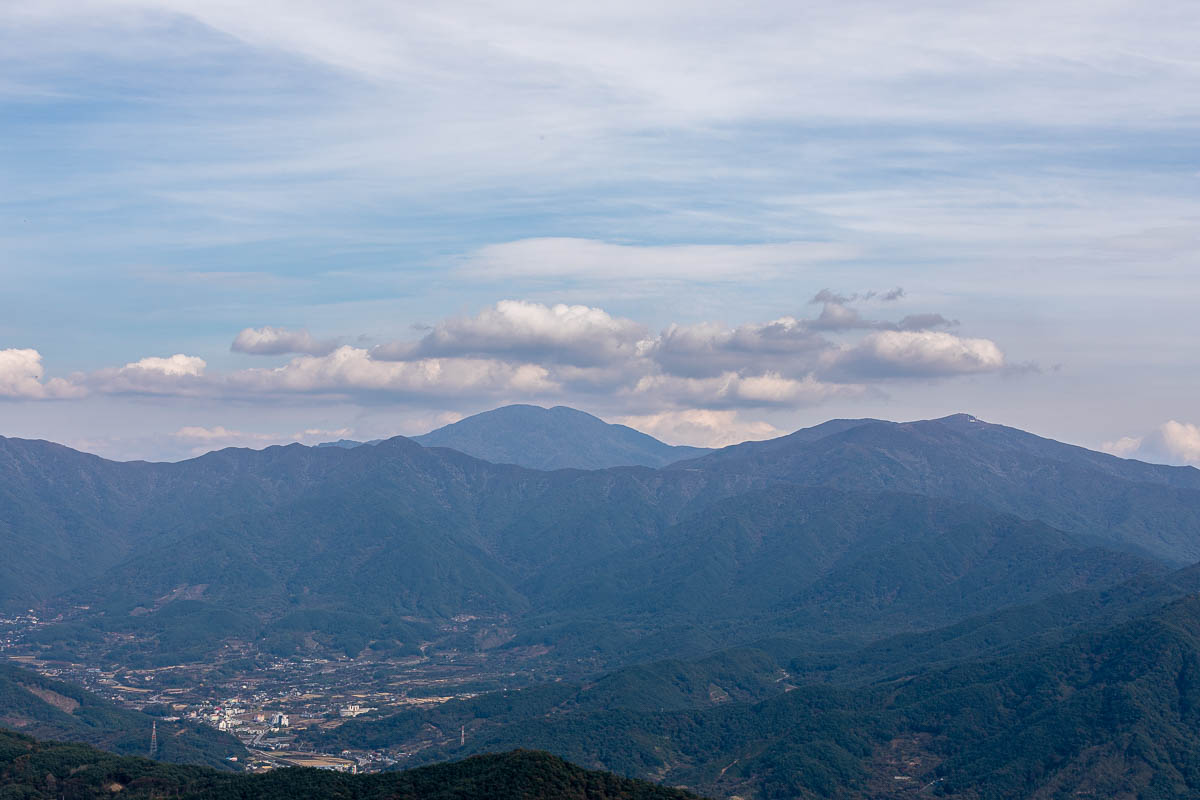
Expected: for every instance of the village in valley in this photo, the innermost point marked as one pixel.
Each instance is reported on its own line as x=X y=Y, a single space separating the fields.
x=270 y=702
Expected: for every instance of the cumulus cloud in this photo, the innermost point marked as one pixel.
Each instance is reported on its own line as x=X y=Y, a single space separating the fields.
x=707 y=349
x=21 y=375
x=520 y=350
x=351 y=369
x=701 y=427
x=1182 y=440
x=923 y=322
x=731 y=390
x=175 y=366
x=914 y=354
x=1125 y=447
x=269 y=341
x=1172 y=442
x=838 y=315
x=788 y=345
x=517 y=329
x=178 y=374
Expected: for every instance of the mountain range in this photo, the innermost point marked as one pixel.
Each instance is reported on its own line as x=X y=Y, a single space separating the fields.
x=858 y=609
x=852 y=529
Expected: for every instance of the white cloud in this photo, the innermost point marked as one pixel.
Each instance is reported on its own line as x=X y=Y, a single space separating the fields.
x=176 y=365
x=217 y=434
x=278 y=341
x=199 y=439
x=707 y=349
x=662 y=64
x=701 y=427
x=353 y=370
x=914 y=354
x=525 y=331
x=1125 y=447
x=21 y=378
x=520 y=350
x=837 y=316
x=1173 y=442
x=1181 y=440
x=178 y=374
x=792 y=346
x=417 y=424
x=731 y=390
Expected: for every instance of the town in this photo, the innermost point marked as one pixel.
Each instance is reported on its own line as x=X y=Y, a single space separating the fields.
x=268 y=701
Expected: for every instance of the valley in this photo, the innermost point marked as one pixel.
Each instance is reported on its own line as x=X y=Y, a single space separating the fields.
x=266 y=700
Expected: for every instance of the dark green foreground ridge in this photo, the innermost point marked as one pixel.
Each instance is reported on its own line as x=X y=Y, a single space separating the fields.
x=32 y=770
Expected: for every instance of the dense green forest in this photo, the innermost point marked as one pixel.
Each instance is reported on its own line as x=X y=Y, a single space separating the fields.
x=1106 y=711
x=34 y=770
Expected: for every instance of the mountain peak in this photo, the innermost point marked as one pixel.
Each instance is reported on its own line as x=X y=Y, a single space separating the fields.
x=960 y=418
x=554 y=438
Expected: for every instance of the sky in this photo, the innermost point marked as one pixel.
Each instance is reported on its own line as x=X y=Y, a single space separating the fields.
x=232 y=224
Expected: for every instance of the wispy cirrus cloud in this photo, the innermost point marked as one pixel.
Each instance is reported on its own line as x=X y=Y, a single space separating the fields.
x=599 y=261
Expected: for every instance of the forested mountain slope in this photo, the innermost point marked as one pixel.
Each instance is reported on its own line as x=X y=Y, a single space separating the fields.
x=1152 y=508
x=1106 y=713
x=35 y=770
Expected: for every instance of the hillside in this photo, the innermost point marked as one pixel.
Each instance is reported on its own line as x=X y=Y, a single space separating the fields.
x=773 y=666
x=65 y=516
x=554 y=438
x=1147 y=507
x=817 y=558
x=644 y=556
x=50 y=709
x=35 y=770
x=1106 y=713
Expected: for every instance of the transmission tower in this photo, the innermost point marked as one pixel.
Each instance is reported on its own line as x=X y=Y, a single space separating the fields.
x=153 y=738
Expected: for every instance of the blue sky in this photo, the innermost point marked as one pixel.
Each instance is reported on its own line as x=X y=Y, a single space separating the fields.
x=404 y=215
